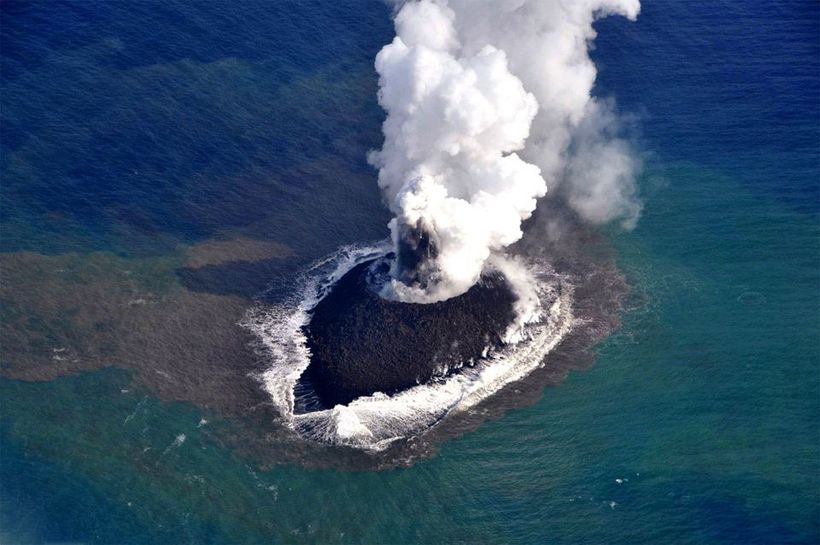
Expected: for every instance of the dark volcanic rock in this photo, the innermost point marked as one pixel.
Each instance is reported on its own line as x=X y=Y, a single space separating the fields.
x=361 y=343
x=417 y=250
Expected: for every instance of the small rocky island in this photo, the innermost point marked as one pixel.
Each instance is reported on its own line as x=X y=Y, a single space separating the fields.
x=361 y=343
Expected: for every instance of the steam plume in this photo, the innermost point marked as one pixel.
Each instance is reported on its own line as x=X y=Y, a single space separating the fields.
x=488 y=102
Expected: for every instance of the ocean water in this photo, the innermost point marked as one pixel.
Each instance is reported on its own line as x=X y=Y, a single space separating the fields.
x=134 y=134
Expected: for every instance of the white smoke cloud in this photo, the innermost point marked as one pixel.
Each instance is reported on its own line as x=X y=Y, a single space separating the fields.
x=601 y=169
x=488 y=103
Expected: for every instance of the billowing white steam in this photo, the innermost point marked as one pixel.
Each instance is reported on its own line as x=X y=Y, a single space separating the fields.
x=488 y=102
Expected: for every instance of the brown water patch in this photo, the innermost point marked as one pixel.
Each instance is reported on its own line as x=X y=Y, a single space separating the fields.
x=218 y=252
x=69 y=313
x=176 y=326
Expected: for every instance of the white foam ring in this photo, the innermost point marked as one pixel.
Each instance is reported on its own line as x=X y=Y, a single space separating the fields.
x=545 y=317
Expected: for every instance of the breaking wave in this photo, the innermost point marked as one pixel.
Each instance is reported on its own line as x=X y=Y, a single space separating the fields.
x=544 y=318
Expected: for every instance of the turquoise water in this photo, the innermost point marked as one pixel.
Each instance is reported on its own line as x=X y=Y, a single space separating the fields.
x=698 y=423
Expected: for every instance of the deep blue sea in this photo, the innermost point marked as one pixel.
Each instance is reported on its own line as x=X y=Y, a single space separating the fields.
x=133 y=134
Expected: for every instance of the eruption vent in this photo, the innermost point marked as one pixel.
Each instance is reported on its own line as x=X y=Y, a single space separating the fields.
x=488 y=102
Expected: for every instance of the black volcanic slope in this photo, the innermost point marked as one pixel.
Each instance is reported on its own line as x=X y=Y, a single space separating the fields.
x=361 y=343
